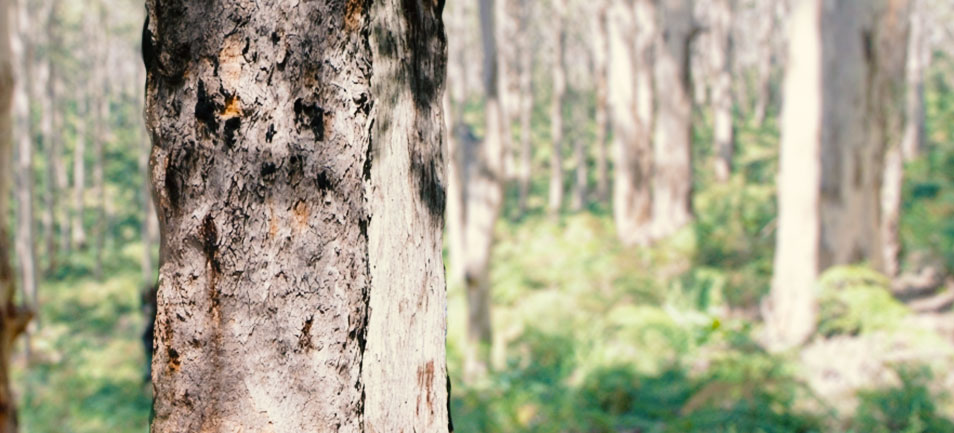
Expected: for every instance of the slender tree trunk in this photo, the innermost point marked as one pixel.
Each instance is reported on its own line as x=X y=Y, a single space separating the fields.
x=672 y=177
x=13 y=318
x=77 y=222
x=556 y=109
x=581 y=187
x=294 y=204
x=100 y=98
x=50 y=144
x=453 y=98
x=600 y=71
x=839 y=112
x=526 y=105
x=26 y=237
x=724 y=137
x=484 y=199
x=504 y=55
x=632 y=35
x=919 y=57
x=763 y=70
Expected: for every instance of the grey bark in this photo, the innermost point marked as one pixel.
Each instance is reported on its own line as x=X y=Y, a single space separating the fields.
x=13 y=318
x=298 y=173
x=556 y=109
x=632 y=36
x=840 y=110
x=672 y=152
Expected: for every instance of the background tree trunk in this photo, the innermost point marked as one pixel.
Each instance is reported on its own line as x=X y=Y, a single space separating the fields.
x=600 y=72
x=26 y=237
x=720 y=25
x=484 y=199
x=839 y=111
x=556 y=109
x=13 y=319
x=101 y=120
x=526 y=105
x=632 y=35
x=919 y=58
x=314 y=201
x=672 y=152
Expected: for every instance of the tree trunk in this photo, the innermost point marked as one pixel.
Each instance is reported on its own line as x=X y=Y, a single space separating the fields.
x=723 y=133
x=600 y=71
x=85 y=107
x=919 y=57
x=298 y=172
x=632 y=35
x=100 y=99
x=51 y=148
x=484 y=198
x=581 y=187
x=26 y=237
x=526 y=105
x=556 y=109
x=672 y=177
x=13 y=319
x=453 y=98
x=504 y=55
x=839 y=111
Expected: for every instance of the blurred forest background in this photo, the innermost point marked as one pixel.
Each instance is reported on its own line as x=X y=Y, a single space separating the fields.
x=613 y=221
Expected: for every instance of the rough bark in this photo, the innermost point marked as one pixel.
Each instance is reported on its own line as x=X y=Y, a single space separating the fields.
x=298 y=173
x=556 y=107
x=600 y=72
x=720 y=25
x=672 y=153
x=13 y=318
x=26 y=236
x=844 y=78
x=632 y=34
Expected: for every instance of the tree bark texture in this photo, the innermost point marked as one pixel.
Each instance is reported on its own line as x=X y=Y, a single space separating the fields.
x=298 y=174
x=672 y=153
x=842 y=88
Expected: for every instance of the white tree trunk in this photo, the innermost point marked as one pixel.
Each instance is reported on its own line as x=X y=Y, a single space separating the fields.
x=672 y=152
x=919 y=58
x=632 y=36
x=839 y=113
x=720 y=52
x=26 y=237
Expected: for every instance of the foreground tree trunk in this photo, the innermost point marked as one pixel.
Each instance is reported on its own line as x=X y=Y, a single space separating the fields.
x=723 y=133
x=13 y=319
x=556 y=109
x=839 y=111
x=100 y=99
x=632 y=35
x=672 y=152
x=298 y=171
